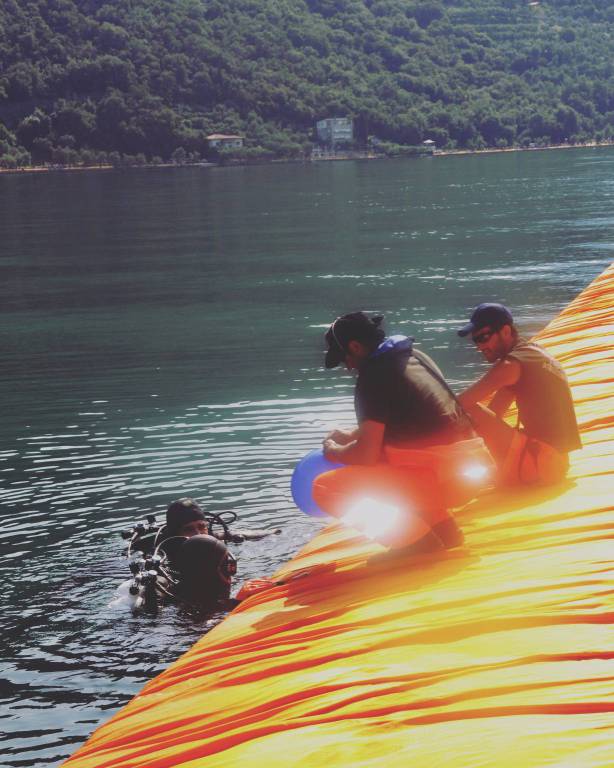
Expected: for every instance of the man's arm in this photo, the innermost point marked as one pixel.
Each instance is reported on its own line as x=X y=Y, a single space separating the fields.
x=504 y=374
x=502 y=401
x=365 y=448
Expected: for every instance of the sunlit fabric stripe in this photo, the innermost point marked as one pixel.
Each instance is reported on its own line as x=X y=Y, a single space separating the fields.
x=499 y=654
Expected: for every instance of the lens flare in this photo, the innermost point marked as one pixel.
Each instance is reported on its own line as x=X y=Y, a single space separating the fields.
x=371 y=517
x=475 y=472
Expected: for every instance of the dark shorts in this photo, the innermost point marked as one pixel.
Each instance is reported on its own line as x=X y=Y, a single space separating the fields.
x=532 y=462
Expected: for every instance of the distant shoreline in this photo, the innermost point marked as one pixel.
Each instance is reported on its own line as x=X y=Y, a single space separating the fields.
x=106 y=167
x=493 y=150
x=366 y=156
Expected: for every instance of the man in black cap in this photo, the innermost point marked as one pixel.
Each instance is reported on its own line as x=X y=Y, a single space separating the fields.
x=536 y=450
x=401 y=402
x=401 y=398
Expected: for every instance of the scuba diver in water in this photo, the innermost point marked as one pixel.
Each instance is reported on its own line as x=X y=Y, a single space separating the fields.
x=409 y=423
x=187 y=558
x=535 y=451
x=197 y=553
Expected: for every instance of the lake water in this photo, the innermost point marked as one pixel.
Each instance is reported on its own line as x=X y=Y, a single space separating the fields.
x=162 y=336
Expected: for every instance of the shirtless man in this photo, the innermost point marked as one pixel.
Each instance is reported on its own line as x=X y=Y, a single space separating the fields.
x=536 y=450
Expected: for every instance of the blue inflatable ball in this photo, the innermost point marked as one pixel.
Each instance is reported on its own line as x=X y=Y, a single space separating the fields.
x=306 y=471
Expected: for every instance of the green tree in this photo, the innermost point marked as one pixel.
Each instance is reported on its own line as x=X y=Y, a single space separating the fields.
x=34 y=126
x=74 y=120
x=143 y=78
x=179 y=156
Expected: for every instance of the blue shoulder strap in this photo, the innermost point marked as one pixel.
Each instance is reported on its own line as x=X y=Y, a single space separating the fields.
x=391 y=343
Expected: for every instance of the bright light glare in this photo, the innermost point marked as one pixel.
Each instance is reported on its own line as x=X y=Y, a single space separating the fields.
x=371 y=517
x=475 y=472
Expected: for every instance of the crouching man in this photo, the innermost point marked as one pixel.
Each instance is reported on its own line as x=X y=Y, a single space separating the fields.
x=407 y=416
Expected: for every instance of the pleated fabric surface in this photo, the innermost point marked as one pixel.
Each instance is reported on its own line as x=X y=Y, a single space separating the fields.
x=500 y=653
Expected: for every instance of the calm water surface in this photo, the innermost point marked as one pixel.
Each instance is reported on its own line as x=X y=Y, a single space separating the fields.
x=161 y=337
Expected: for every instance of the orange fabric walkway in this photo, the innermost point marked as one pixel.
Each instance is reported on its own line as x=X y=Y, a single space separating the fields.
x=500 y=653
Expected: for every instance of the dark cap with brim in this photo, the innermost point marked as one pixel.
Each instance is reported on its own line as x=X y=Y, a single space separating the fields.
x=333 y=356
x=355 y=326
x=493 y=315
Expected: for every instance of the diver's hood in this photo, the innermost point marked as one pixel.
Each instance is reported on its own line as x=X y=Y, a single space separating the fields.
x=205 y=568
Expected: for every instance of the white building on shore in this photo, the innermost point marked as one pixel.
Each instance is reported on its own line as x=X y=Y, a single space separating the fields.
x=224 y=141
x=335 y=130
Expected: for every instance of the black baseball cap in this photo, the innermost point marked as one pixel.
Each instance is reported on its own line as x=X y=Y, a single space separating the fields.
x=494 y=315
x=355 y=326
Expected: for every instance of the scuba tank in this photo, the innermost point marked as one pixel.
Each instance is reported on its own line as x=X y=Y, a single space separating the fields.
x=149 y=579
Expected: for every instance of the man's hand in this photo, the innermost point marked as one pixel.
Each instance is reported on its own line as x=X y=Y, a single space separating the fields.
x=341 y=436
x=329 y=446
x=365 y=448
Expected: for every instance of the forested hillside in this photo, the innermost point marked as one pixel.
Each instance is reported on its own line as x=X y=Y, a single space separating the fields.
x=135 y=80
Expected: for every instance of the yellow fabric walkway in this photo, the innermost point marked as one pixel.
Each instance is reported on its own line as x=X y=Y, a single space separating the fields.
x=498 y=654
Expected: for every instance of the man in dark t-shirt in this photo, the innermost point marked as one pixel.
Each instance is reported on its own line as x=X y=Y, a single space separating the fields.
x=536 y=450
x=401 y=398
x=401 y=402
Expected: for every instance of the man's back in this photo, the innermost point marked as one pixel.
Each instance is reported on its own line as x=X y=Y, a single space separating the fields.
x=545 y=405
x=403 y=389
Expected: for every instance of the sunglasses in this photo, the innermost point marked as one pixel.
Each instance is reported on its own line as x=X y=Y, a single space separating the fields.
x=482 y=338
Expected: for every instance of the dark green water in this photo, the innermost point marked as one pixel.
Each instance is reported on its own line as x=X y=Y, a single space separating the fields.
x=161 y=336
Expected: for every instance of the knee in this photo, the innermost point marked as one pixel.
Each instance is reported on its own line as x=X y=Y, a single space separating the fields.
x=480 y=411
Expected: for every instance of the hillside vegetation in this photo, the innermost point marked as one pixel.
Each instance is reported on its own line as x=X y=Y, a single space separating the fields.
x=136 y=80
